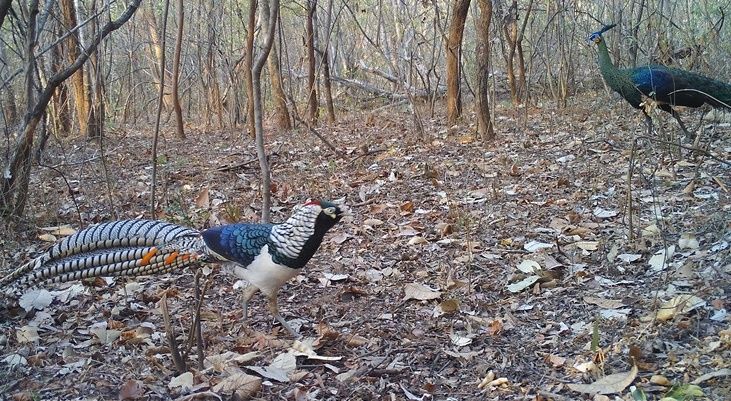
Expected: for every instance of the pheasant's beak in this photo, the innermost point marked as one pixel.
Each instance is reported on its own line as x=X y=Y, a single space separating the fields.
x=340 y=212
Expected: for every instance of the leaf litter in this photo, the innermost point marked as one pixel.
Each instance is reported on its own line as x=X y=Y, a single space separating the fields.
x=467 y=271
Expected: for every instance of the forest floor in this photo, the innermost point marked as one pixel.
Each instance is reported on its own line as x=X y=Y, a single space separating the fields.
x=512 y=270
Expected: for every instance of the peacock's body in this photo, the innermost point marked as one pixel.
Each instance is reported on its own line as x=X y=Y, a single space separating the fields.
x=667 y=86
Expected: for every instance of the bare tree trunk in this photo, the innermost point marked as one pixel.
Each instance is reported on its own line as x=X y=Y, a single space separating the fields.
x=634 y=46
x=310 y=43
x=249 y=67
x=522 y=81
x=510 y=33
x=281 y=113
x=81 y=93
x=17 y=174
x=15 y=186
x=482 y=53
x=61 y=119
x=161 y=96
x=266 y=180
x=326 y=65
x=156 y=48
x=454 y=55
x=180 y=129
x=95 y=86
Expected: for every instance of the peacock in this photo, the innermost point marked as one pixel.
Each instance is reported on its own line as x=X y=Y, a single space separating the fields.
x=266 y=255
x=667 y=86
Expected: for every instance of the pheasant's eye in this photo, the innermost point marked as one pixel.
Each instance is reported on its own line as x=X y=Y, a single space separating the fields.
x=330 y=211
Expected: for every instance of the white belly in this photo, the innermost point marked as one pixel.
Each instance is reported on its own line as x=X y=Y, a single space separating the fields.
x=264 y=274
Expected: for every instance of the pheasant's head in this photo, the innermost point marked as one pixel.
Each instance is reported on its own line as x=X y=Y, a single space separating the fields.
x=596 y=37
x=328 y=213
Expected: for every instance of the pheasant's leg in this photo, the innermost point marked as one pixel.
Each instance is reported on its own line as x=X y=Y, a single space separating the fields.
x=274 y=309
x=248 y=293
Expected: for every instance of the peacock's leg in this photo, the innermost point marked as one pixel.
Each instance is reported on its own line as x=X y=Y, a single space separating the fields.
x=274 y=309
x=682 y=126
x=648 y=119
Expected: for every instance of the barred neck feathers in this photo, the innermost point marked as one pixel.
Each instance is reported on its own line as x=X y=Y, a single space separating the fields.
x=296 y=240
x=289 y=238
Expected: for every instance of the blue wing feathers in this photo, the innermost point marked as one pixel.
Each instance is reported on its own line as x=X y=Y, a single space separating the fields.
x=240 y=243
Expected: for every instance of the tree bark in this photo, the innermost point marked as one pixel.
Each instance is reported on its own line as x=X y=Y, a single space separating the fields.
x=482 y=52
x=10 y=101
x=281 y=112
x=266 y=180
x=82 y=100
x=180 y=129
x=454 y=55
x=311 y=83
x=16 y=177
x=326 y=65
x=160 y=98
x=156 y=48
x=510 y=32
x=248 y=68
x=60 y=113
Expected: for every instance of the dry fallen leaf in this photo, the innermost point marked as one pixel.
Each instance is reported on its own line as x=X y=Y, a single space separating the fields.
x=131 y=390
x=535 y=246
x=406 y=208
x=604 y=302
x=679 y=305
x=35 y=299
x=529 y=266
x=47 y=237
x=688 y=241
x=459 y=341
x=494 y=327
x=523 y=284
x=244 y=385
x=417 y=240
x=105 y=335
x=587 y=245
x=444 y=229
x=183 y=381
x=489 y=377
x=62 y=230
x=372 y=222
x=610 y=384
x=445 y=307
x=203 y=199
x=220 y=362
x=659 y=260
x=27 y=334
x=629 y=257
x=420 y=292
x=279 y=369
x=604 y=214
x=305 y=347
x=555 y=360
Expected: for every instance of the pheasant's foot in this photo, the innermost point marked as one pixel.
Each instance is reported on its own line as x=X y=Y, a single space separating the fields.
x=274 y=309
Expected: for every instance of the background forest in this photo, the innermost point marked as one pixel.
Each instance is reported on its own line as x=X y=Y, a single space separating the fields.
x=514 y=233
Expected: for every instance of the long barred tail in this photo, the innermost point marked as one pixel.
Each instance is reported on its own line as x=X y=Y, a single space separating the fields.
x=117 y=248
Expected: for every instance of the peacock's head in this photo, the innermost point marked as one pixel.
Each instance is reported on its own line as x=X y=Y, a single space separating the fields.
x=596 y=37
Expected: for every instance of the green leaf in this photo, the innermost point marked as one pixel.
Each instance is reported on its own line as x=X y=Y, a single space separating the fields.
x=685 y=392
x=637 y=394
